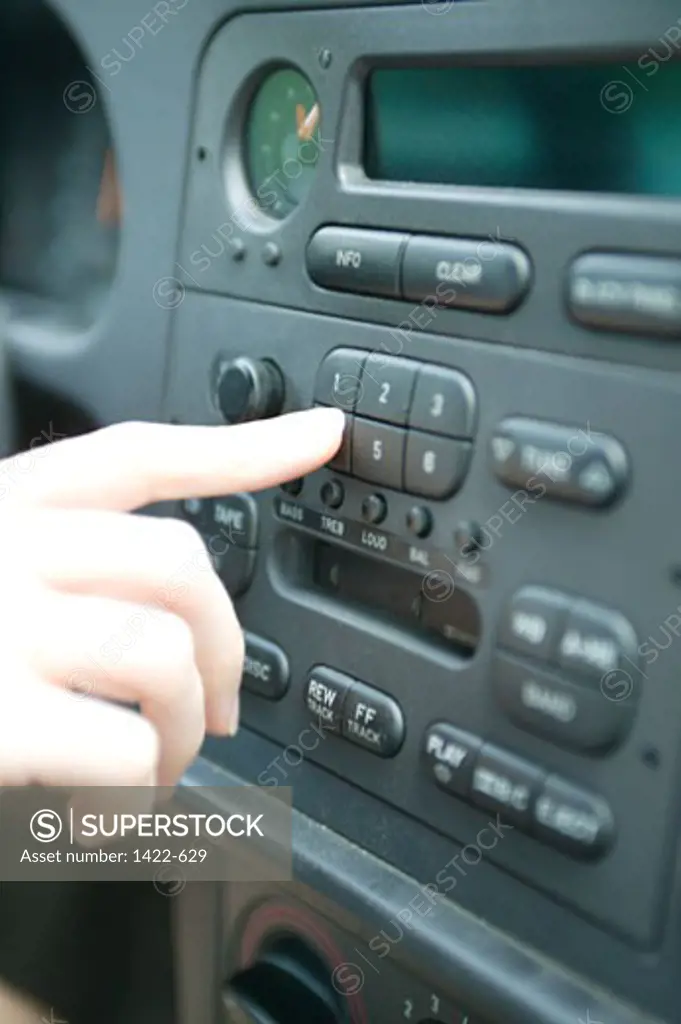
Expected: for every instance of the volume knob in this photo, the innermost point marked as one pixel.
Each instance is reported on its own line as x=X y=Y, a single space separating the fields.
x=249 y=389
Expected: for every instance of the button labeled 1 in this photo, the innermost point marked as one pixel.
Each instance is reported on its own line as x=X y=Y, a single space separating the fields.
x=338 y=379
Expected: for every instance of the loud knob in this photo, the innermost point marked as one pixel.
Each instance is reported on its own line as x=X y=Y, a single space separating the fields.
x=249 y=389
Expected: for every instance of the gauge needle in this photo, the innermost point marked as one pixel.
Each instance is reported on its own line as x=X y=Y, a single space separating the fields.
x=306 y=123
x=109 y=203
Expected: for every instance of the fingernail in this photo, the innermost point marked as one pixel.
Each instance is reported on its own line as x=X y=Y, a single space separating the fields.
x=233 y=726
x=334 y=416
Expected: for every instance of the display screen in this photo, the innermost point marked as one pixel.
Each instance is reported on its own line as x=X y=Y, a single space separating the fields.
x=590 y=128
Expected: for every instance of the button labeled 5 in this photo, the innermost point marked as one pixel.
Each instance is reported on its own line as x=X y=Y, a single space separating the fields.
x=378 y=453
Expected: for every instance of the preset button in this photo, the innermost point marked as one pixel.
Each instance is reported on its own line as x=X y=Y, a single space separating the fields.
x=435 y=467
x=378 y=453
x=443 y=403
x=386 y=388
x=338 y=380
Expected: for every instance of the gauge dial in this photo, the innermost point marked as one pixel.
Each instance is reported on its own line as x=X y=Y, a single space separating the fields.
x=283 y=141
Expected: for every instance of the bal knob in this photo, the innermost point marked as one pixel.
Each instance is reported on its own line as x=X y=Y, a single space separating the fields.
x=249 y=389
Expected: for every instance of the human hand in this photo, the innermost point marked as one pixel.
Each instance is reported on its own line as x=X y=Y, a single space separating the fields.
x=75 y=566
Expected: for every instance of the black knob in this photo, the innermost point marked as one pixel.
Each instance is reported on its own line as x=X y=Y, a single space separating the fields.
x=374 y=509
x=419 y=521
x=332 y=493
x=249 y=389
x=288 y=982
x=467 y=538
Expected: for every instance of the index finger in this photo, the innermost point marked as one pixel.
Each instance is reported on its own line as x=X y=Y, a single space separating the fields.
x=129 y=465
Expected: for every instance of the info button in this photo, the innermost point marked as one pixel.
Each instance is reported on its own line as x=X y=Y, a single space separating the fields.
x=356 y=260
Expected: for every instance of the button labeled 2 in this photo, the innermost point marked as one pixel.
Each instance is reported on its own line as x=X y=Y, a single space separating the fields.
x=386 y=387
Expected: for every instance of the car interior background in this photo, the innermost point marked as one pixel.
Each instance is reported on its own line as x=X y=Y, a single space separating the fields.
x=459 y=221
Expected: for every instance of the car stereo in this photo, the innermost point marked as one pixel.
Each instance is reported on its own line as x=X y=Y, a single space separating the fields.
x=461 y=224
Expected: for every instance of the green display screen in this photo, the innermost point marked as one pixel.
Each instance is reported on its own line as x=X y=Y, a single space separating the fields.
x=587 y=128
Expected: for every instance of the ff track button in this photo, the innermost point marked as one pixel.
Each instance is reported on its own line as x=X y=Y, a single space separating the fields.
x=266 y=670
x=325 y=696
x=373 y=720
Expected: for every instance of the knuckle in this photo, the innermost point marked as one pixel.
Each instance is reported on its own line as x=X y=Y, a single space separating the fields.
x=129 y=434
x=178 y=645
x=238 y=647
x=144 y=751
x=184 y=539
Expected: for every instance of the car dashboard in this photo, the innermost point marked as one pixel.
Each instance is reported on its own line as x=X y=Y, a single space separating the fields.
x=459 y=222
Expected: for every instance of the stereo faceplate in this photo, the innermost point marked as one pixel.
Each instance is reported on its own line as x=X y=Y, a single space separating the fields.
x=609 y=557
x=447 y=626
